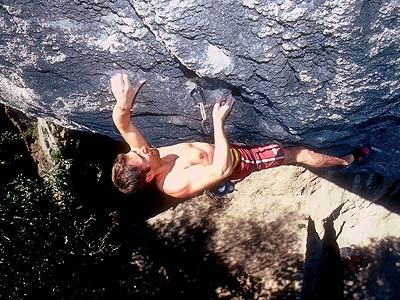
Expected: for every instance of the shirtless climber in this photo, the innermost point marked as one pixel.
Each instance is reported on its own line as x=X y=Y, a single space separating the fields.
x=186 y=169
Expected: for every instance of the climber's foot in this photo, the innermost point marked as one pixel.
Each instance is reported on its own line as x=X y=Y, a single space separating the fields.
x=358 y=155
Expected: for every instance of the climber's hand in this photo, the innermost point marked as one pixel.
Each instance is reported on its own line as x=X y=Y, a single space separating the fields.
x=123 y=91
x=222 y=108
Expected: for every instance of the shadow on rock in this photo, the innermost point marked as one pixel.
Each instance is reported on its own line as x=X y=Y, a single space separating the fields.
x=178 y=255
x=332 y=272
x=381 y=279
x=324 y=273
x=229 y=257
x=374 y=187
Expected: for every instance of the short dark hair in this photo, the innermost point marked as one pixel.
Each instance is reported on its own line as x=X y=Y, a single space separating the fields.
x=126 y=177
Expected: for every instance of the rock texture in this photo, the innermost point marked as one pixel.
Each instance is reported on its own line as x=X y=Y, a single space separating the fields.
x=270 y=232
x=44 y=140
x=324 y=73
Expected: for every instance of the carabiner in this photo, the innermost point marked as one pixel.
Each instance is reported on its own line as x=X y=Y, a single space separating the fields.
x=198 y=95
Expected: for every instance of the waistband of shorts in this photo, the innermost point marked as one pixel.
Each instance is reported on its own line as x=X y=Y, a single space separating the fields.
x=236 y=158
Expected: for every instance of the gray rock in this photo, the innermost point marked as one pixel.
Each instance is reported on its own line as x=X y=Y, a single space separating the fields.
x=323 y=73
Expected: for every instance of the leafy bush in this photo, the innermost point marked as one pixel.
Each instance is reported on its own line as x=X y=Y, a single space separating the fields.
x=43 y=238
x=8 y=141
x=32 y=243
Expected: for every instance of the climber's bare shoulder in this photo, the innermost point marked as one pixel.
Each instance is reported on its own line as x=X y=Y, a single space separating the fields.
x=189 y=170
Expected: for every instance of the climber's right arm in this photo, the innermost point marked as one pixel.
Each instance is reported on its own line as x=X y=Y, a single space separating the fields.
x=125 y=95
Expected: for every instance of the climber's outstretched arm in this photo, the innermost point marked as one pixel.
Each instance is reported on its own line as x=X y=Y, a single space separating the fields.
x=125 y=95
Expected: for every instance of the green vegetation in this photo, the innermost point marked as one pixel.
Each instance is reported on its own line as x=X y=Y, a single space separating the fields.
x=57 y=239
x=7 y=142
x=38 y=236
x=52 y=247
x=47 y=242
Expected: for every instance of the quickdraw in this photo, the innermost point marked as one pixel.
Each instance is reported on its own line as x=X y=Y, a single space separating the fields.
x=198 y=95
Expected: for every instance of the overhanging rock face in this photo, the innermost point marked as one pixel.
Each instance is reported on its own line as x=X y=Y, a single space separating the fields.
x=324 y=73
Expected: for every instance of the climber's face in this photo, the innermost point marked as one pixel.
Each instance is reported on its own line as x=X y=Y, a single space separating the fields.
x=145 y=157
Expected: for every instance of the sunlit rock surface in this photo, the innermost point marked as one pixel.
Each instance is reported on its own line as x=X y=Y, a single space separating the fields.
x=323 y=73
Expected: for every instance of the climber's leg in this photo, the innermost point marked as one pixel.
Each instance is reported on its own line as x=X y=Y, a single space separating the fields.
x=304 y=156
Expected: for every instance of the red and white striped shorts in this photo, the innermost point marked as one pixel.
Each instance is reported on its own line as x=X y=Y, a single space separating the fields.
x=248 y=159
